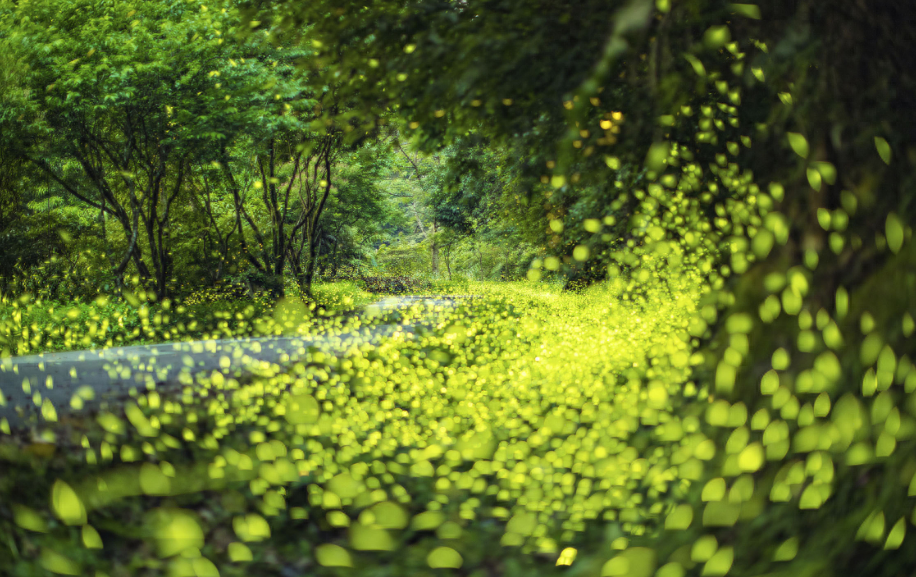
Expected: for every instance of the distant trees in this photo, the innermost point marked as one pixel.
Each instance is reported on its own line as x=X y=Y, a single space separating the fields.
x=103 y=89
x=137 y=111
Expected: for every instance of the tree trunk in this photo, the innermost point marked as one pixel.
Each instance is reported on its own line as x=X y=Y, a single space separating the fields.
x=335 y=260
x=310 y=265
x=435 y=250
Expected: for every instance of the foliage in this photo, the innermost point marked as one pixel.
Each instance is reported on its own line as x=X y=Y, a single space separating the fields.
x=30 y=326
x=728 y=390
x=394 y=285
x=439 y=485
x=154 y=118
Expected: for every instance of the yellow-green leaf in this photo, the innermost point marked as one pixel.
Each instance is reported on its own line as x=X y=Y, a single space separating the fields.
x=56 y=563
x=751 y=458
x=673 y=569
x=814 y=179
x=522 y=523
x=251 y=527
x=895 y=537
x=239 y=552
x=634 y=562
x=29 y=519
x=365 y=538
x=344 y=486
x=746 y=10
x=696 y=64
x=798 y=143
x=680 y=518
x=716 y=37
x=893 y=228
x=175 y=530
x=884 y=149
x=826 y=170
x=427 y=521
x=91 y=538
x=329 y=555
x=703 y=549
x=762 y=243
x=390 y=515
x=444 y=558
x=657 y=157
x=153 y=481
x=302 y=409
x=787 y=550
x=67 y=505
x=720 y=563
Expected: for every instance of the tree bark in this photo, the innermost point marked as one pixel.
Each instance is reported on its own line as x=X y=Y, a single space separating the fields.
x=435 y=249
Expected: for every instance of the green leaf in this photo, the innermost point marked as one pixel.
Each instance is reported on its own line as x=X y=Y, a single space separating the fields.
x=57 y=563
x=798 y=143
x=153 y=481
x=826 y=170
x=786 y=551
x=522 y=523
x=762 y=243
x=716 y=37
x=175 y=530
x=746 y=10
x=329 y=555
x=427 y=521
x=365 y=538
x=389 y=515
x=91 y=538
x=67 y=505
x=895 y=537
x=302 y=409
x=29 y=519
x=814 y=179
x=444 y=558
x=696 y=64
x=720 y=563
x=893 y=228
x=680 y=518
x=884 y=149
x=810 y=498
x=704 y=548
x=239 y=552
x=657 y=157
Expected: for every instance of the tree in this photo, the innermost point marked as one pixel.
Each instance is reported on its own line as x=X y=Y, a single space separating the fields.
x=105 y=92
x=355 y=216
x=121 y=108
x=427 y=174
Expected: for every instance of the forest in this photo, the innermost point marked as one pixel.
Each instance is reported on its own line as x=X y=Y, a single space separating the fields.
x=618 y=288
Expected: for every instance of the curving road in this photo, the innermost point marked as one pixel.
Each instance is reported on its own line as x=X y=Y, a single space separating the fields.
x=86 y=380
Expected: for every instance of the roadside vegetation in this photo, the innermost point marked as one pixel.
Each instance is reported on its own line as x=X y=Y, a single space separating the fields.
x=31 y=326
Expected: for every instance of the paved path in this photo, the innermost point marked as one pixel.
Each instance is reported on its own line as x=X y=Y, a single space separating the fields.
x=107 y=375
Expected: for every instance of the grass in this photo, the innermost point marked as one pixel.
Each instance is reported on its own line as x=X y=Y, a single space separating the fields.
x=33 y=326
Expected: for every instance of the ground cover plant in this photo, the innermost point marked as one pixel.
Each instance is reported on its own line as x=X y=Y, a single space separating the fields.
x=32 y=326
x=681 y=231
x=506 y=440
